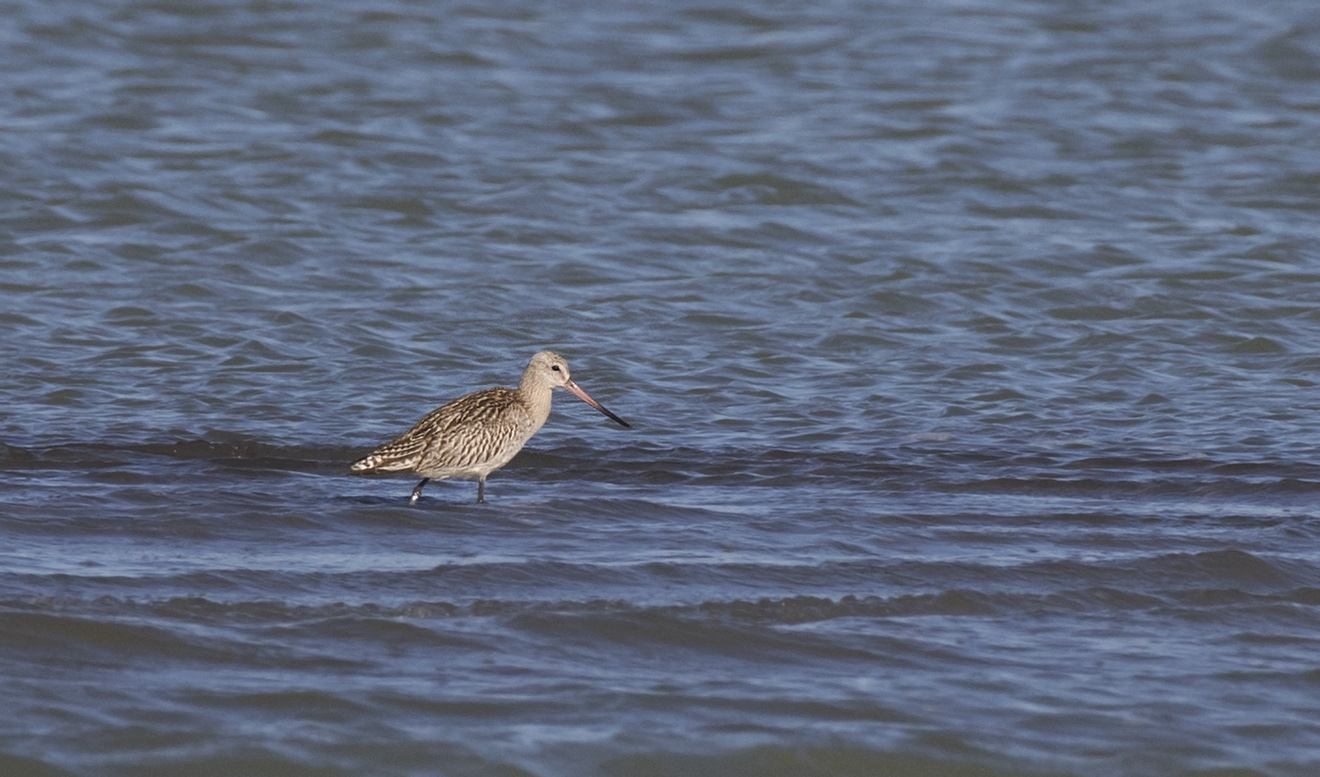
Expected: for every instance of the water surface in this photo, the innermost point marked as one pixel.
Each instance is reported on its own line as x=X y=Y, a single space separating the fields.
x=969 y=348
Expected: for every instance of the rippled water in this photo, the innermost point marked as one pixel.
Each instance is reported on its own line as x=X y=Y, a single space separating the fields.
x=969 y=348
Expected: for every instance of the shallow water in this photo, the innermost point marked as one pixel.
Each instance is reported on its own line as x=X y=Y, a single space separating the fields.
x=969 y=348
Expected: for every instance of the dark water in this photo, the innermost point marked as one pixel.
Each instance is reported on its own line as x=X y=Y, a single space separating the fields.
x=970 y=349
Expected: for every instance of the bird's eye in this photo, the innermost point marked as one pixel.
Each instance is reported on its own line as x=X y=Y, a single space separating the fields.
x=555 y=367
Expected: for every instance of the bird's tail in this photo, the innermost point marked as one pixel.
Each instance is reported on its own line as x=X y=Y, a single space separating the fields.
x=399 y=455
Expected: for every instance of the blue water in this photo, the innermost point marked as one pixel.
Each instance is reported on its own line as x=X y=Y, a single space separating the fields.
x=969 y=349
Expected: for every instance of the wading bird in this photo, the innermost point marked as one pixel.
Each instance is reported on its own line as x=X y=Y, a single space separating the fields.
x=477 y=434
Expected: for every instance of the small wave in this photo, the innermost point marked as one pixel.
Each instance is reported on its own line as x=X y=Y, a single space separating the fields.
x=242 y=453
x=928 y=464
x=840 y=758
x=80 y=618
x=87 y=640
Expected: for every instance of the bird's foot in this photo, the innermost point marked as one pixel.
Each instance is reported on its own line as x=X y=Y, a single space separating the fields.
x=417 y=491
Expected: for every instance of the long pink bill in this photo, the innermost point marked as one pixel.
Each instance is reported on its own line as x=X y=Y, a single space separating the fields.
x=582 y=395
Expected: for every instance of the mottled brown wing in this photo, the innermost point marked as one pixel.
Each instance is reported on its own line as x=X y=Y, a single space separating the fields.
x=438 y=433
x=473 y=429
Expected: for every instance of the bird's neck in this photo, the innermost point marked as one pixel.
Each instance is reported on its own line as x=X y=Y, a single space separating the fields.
x=537 y=394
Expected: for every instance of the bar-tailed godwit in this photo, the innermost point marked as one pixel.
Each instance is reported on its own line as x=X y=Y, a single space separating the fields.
x=477 y=434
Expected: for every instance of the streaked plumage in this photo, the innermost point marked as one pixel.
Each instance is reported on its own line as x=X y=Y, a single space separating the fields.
x=477 y=434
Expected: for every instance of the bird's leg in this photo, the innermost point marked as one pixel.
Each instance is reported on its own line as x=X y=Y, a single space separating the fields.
x=481 y=491
x=417 y=492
